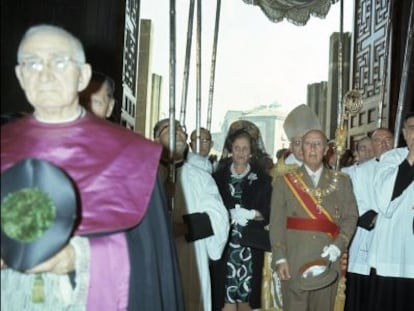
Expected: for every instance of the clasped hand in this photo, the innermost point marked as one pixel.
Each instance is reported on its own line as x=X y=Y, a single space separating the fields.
x=241 y=216
x=61 y=263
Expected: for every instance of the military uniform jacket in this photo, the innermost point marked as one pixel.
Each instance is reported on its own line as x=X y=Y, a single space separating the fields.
x=299 y=247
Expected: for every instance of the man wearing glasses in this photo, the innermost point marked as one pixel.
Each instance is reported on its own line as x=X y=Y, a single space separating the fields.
x=299 y=121
x=113 y=169
x=200 y=220
x=313 y=217
x=206 y=143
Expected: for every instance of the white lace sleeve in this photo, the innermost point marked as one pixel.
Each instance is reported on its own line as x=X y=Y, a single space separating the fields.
x=82 y=269
x=17 y=287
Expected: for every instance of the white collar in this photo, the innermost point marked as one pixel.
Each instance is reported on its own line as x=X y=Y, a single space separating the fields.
x=79 y=115
x=236 y=175
x=317 y=174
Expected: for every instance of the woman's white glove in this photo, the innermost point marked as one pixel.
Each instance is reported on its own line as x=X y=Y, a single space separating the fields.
x=246 y=213
x=241 y=216
x=332 y=252
x=234 y=216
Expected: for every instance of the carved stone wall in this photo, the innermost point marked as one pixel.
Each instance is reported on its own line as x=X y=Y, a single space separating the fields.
x=129 y=72
x=369 y=64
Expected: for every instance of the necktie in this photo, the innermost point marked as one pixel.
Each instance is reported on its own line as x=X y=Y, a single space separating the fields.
x=314 y=180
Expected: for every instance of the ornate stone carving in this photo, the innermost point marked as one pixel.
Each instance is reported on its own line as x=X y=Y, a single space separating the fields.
x=370 y=43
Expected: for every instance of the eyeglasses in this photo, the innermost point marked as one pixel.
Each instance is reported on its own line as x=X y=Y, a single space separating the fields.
x=202 y=140
x=385 y=140
x=316 y=144
x=36 y=65
x=297 y=143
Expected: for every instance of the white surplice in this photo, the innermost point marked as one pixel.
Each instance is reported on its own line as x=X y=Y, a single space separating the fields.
x=362 y=181
x=201 y=195
x=392 y=249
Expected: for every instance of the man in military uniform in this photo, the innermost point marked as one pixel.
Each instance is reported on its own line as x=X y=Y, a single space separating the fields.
x=300 y=120
x=313 y=218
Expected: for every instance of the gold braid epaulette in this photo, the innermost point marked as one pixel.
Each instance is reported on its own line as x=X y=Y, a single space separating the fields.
x=281 y=168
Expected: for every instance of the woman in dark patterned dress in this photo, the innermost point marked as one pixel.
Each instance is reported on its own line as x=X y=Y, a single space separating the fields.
x=246 y=192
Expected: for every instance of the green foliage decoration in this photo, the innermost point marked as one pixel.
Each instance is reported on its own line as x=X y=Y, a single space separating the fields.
x=26 y=214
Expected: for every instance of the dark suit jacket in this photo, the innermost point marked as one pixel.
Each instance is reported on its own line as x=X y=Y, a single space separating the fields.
x=256 y=195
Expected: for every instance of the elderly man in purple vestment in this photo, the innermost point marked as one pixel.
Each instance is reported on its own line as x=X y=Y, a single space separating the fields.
x=113 y=169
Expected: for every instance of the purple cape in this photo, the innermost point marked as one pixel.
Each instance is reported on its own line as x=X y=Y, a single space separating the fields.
x=113 y=168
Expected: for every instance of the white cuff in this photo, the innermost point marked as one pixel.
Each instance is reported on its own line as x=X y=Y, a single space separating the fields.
x=281 y=260
x=252 y=214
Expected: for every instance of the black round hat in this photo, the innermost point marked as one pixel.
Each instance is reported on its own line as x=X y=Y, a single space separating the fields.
x=38 y=212
x=317 y=274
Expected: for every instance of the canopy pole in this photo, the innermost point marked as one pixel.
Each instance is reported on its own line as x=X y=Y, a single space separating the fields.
x=198 y=78
x=386 y=65
x=187 y=63
x=340 y=110
x=171 y=133
x=404 y=77
x=340 y=64
x=213 y=66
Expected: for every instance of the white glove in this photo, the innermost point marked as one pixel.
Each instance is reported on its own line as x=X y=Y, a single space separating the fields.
x=246 y=213
x=242 y=221
x=332 y=252
x=241 y=215
x=235 y=217
x=233 y=214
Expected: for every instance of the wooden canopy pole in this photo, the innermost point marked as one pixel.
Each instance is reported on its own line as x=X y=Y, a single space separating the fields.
x=184 y=91
x=408 y=55
x=213 y=66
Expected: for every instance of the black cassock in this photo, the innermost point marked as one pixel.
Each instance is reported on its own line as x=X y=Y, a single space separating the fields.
x=155 y=279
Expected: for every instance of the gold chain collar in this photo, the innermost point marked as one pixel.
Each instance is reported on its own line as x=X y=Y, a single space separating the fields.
x=318 y=193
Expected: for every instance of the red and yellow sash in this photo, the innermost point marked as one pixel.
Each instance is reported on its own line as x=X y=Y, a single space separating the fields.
x=320 y=219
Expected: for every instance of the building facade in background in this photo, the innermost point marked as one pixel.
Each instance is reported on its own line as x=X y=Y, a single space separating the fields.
x=268 y=118
x=316 y=98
